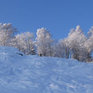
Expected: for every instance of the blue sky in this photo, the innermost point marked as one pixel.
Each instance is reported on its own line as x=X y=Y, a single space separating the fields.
x=58 y=16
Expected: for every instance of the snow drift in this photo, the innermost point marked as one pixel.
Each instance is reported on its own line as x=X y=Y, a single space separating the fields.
x=33 y=74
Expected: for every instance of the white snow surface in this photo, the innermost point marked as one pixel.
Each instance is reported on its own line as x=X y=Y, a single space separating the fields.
x=33 y=74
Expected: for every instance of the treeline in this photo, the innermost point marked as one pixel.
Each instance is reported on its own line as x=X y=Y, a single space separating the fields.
x=76 y=45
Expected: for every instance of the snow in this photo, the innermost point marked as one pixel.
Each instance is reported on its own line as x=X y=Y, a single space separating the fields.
x=33 y=74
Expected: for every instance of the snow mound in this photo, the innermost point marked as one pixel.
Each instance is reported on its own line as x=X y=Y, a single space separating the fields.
x=33 y=74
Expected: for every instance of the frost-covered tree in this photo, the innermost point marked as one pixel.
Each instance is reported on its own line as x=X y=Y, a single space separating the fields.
x=7 y=32
x=61 y=49
x=76 y=45
x=89 y=43
x=43 y=42
x=75 y=41
x=25 y=43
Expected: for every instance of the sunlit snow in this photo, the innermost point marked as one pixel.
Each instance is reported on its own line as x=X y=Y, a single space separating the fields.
x=33 y=74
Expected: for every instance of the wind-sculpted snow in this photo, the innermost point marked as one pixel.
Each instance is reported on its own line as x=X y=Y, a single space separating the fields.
x=33 y=74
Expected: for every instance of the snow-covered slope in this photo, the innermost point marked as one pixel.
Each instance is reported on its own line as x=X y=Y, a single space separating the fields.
x=33 y=74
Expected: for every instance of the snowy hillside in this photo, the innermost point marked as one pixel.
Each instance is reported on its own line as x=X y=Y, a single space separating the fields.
x=33 y=74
